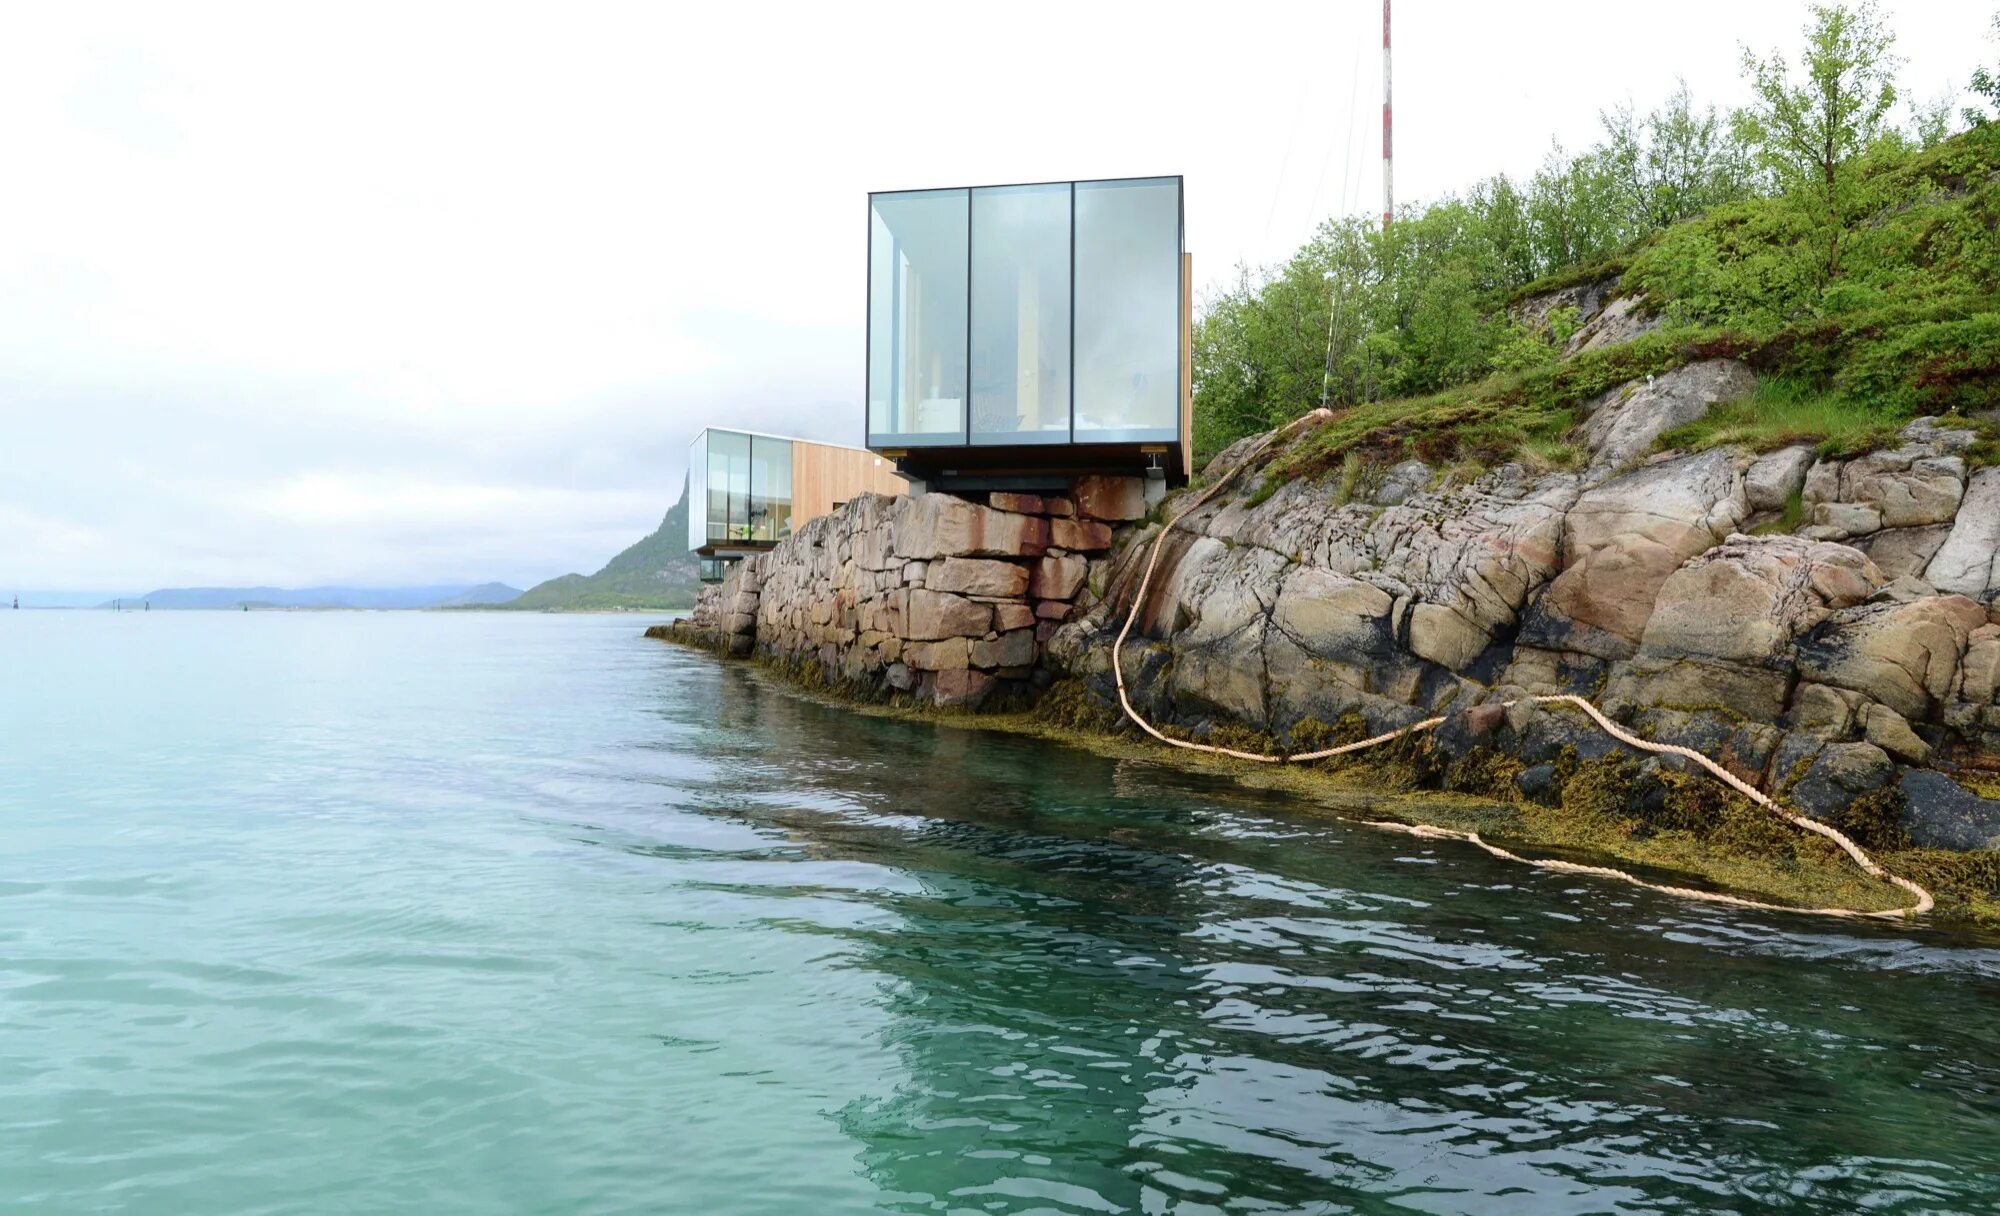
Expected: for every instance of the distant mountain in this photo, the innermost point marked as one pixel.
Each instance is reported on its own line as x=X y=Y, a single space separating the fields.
x=447 y=596
x=658 y=572
x=485 y=595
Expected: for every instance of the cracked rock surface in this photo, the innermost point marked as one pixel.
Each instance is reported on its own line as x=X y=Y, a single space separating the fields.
x=1824 y=663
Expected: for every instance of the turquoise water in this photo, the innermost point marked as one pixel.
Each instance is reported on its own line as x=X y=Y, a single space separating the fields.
x=478 y=913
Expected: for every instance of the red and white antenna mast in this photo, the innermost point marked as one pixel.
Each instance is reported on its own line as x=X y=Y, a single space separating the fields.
x=1388 y=163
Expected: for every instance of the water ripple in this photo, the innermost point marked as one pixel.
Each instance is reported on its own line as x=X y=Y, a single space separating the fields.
x=443 y=913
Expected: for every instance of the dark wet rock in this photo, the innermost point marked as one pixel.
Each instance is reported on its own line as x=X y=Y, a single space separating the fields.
x=1942 y=814
x=1537 y=782
x=1840 y=773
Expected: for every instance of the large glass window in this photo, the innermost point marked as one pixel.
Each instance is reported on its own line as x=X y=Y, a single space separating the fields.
x=728 y=486
x=697 y=492
x=1020 y=314
x=916 y=317
x=1128 y=305
x=770 y=488
x=739 y=489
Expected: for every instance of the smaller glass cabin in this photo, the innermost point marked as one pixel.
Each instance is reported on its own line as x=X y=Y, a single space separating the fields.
x=747 y=491
x=1021 y=334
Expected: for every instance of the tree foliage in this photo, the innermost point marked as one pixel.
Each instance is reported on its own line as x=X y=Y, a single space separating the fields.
x=1986 y=87
x=1807 y=225
x=1810 y=128
x=1362 y=314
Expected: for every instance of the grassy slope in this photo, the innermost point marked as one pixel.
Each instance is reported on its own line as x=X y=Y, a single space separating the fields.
x=1910 y=327
x=657 y=572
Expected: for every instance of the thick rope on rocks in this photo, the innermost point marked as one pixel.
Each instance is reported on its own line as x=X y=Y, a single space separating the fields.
x=1924 y=903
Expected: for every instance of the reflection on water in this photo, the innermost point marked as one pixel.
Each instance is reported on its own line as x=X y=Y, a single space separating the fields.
x=449 y=913
x=1124 y=988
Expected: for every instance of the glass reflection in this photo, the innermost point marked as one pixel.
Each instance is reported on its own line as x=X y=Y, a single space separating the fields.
x=917 y=277
x=1020 y=314
x=1128 y=302
x=770 y=507
x=728 y=486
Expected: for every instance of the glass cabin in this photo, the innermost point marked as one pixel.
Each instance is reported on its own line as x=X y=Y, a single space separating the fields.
x=747 y=491
x=1020 y=335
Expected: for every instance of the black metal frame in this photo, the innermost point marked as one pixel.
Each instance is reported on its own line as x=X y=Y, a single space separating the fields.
x=1183 y=353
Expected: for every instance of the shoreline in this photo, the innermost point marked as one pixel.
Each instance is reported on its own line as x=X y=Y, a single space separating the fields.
x=1814 y=875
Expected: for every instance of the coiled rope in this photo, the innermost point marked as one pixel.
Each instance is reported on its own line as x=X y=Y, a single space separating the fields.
x=1924 y=903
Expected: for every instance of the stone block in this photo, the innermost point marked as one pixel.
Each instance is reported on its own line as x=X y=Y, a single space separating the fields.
x=978 y=576
x=1333 y=616
x=1112 y=498
x=947 y=655
x=1012 y=649
x=937 y=614
x=1012 y=616
x=1025 y=504
x=961 y=687
x=1058 y=506
x=1624 y=422
x=1057 y=578
x=1052 y=610
x=1084 y=534
x=939 y=525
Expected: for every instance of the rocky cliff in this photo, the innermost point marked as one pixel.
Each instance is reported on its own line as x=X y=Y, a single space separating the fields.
x=1821 y=625
x=1853 y=657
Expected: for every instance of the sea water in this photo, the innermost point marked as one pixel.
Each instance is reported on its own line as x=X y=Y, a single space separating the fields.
x=480 y=912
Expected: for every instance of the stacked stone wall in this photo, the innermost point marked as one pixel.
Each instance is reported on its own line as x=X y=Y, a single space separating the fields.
x=940 y=597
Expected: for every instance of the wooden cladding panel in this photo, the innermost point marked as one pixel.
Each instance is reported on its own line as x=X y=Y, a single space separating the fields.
x=823 y=476
x=1187 y=365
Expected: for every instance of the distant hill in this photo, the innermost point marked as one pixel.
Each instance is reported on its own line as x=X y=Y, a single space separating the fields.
x=485 y=595
x=447 y=596
x=658 y=572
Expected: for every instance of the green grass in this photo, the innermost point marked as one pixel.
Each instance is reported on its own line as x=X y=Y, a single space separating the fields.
x=1546 y=455
x=1525 y=415
x=1785 y=411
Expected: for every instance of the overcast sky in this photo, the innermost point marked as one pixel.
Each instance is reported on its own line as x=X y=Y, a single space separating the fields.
x=422 y=293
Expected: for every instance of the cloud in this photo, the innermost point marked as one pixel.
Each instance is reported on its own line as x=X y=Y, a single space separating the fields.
x=410 y=293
